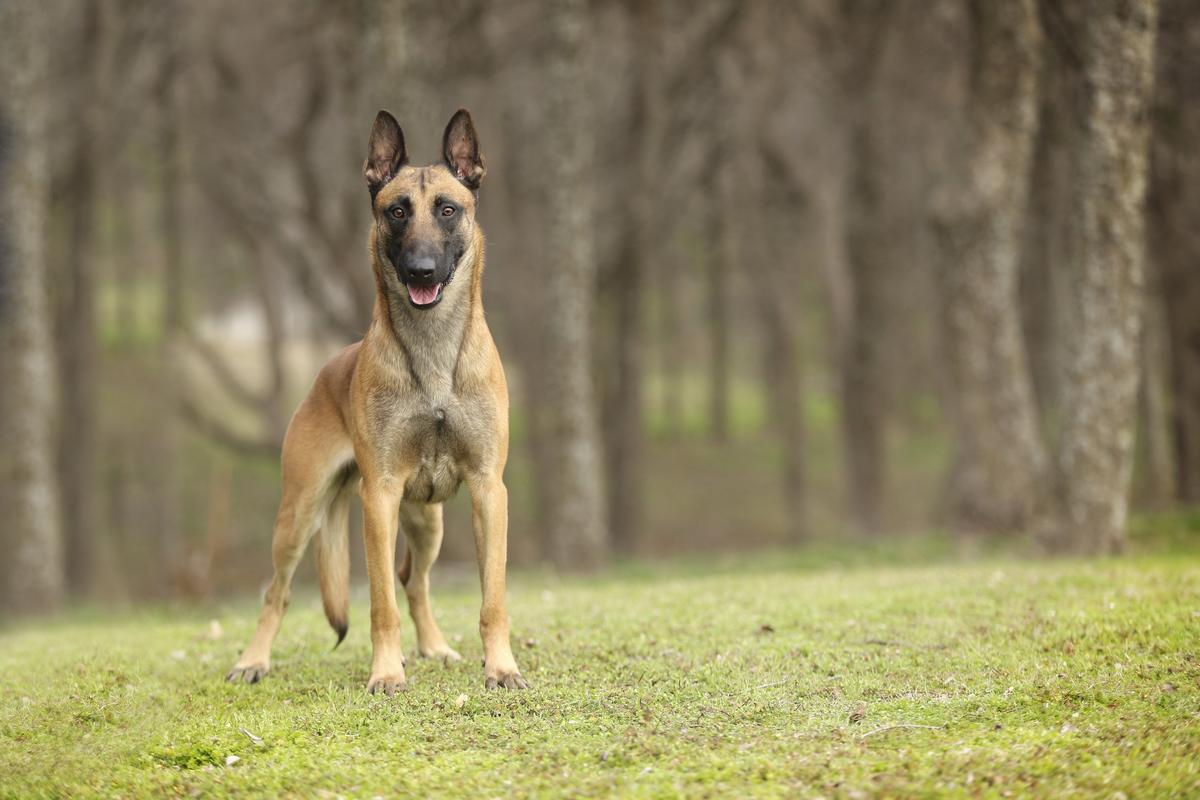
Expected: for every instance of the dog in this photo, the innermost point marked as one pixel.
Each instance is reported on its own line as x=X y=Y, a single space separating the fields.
x=405 y=416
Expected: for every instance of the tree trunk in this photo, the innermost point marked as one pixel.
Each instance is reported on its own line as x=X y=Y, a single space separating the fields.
x=785 y=387
x=76 y=312
x=577 y=528
x=718 y=267
x=1044 y=284
x=623 y=423
x=861 y=379
x=1001 y=462
x=32 y=575
x=1155 y=487
x=1095 y=455
x=863 y=27
x=166 y=491
x=1174 y=238
x=671 y=336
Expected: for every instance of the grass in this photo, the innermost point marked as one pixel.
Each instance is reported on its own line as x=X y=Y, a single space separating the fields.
x=765 y=676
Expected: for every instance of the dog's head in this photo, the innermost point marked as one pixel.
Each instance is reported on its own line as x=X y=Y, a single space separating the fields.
x=424 y=216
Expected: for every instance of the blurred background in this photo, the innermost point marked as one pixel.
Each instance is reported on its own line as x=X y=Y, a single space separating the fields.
x=852 y=270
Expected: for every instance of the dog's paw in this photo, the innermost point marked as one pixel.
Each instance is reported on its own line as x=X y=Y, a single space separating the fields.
x=506 y=680
x=387 y=684
x=248 y=673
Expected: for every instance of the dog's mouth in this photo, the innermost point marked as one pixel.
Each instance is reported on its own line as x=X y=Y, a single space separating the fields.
x=425 y=296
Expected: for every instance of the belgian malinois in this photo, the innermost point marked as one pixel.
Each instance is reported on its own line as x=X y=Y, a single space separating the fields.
x=417 y=407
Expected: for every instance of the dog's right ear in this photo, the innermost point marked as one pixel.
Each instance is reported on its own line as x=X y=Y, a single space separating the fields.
x=385 y=152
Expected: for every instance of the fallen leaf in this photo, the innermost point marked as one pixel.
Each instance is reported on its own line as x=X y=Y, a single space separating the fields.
x=766 y=628
x=460 y=701
x=231 y=760
x=859 y=713
x=256 y=739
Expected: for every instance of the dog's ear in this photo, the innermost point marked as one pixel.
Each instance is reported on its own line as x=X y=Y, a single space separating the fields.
x=385 y=152
x=460 y=148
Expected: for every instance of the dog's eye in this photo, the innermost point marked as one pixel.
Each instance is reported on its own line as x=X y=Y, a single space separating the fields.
x=448 y=211
x=397 y=212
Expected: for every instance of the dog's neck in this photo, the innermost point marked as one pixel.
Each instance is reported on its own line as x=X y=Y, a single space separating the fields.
x=429 y=341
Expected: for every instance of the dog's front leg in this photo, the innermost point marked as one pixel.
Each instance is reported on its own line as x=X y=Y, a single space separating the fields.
x=489 y=504
x=381 y=501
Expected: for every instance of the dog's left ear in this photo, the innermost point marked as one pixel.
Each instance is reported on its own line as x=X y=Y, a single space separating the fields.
x=460 y=148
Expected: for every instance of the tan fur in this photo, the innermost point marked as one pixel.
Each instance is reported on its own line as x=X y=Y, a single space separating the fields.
x=333 y=562
x=417 y=407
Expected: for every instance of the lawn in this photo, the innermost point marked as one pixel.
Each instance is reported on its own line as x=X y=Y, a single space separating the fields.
x=763 y=676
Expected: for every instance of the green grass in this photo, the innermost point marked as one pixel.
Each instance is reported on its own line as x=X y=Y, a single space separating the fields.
x=769 y=676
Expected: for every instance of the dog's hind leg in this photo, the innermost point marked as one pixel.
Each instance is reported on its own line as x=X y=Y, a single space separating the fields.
x=295 y=524
x=422 y=526
x=314 y=466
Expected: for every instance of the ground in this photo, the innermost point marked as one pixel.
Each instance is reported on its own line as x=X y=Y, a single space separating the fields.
x=749 y=676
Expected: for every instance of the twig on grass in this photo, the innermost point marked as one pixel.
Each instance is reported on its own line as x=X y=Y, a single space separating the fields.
x=887 y=728
x=256 y=739
x=896 y=643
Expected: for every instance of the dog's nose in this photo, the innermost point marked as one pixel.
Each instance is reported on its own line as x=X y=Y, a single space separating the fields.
x=421 y=268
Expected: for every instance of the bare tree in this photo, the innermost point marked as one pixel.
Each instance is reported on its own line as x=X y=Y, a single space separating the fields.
x=74 y=190
x=775 y=290
x=32 y=567
x=978 y=217
x=769 y=206
x=1095 y=456
x=717 y=274
x=862 y=27
x=1044 y=286
x=577 y=531
x=624 y=282
x=669 y=89
x=1174 y=236
x=167 y=497
x=1155 y=485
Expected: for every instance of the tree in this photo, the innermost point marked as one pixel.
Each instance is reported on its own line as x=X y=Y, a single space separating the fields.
x=717 y=274
x=863 y=25
x=668 y=90
x=32 y=577
x=75 y=187
x=768 y=204
x=1095 y=454
x=624 y=282
x=978 y=218
x=167 y=497
x=1174 y=239
x=1044 y=284
x=775 y=295
x=577 y=531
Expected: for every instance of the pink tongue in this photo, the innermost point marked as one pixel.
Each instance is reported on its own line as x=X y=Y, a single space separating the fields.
x=423 y=295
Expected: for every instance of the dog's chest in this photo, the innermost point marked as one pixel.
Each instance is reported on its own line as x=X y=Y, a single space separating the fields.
x=426 y=427
x=435 y=435
x=430 y=437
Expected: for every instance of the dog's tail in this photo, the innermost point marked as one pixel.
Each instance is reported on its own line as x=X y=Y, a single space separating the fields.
x=405 y=566
x=333 y=562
